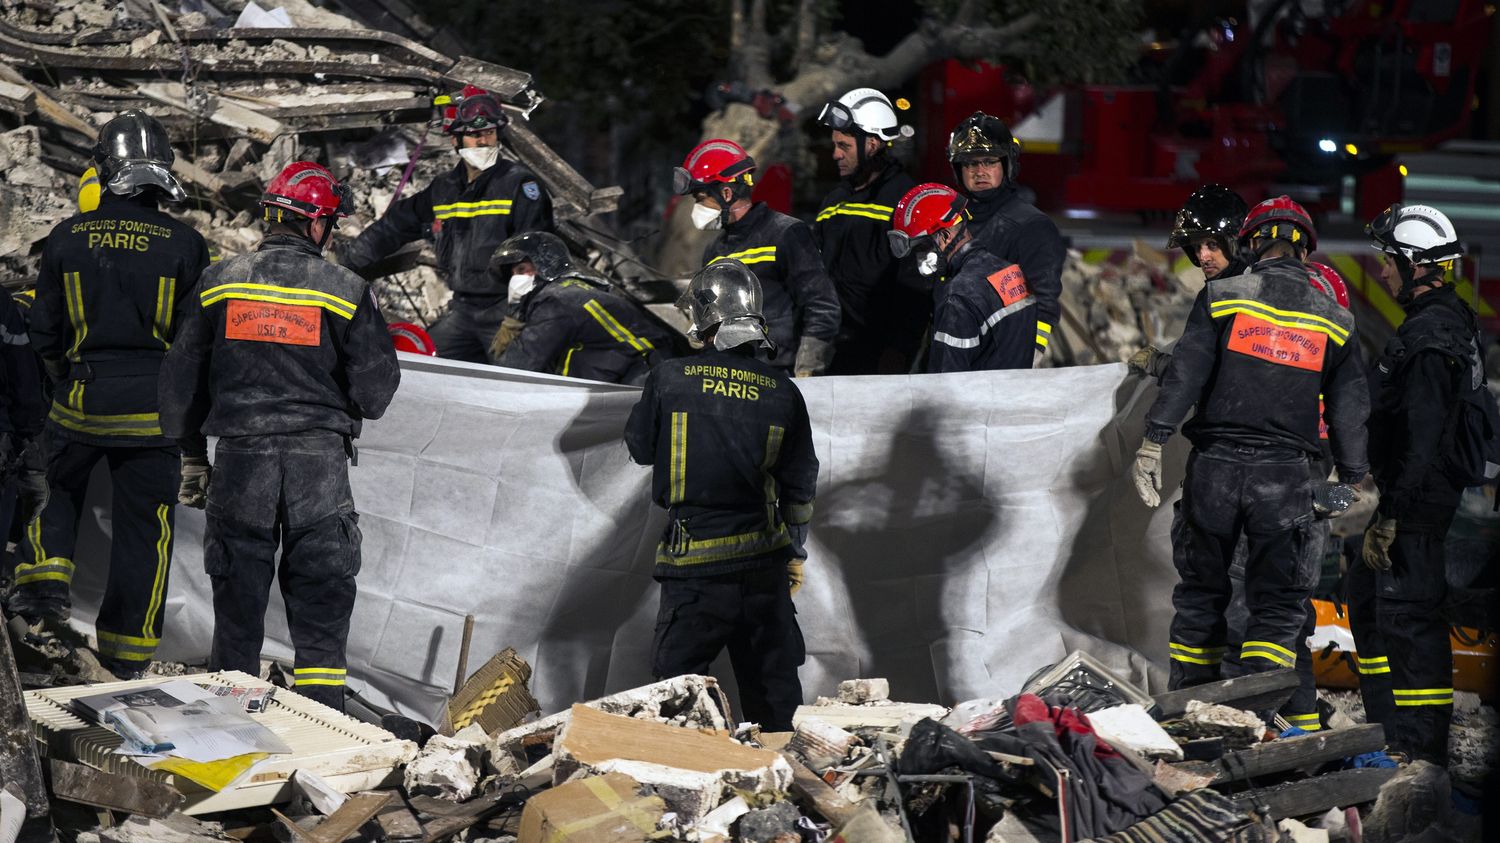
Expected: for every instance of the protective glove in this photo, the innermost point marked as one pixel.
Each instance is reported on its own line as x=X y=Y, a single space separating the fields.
x=1147 y=361
x=1147 y=473
x=1037 y=357
x=193 y=490
x=813 y=357
x=798 y=534
x=510 y=328
x=32 y=493
x=1331 y=499
x=1378 y=540
x=794 y=574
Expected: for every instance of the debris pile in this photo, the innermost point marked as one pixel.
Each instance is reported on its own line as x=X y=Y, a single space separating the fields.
x=1111 y=309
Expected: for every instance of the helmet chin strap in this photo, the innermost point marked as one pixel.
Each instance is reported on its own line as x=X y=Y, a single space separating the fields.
x=1408 y=273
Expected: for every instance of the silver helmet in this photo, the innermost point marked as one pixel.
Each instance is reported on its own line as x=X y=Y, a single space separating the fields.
x=725 y=295
x=133 y=153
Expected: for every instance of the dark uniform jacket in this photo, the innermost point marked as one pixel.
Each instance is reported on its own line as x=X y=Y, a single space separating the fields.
x=984 y=315
x=851 y=234
x=466 y=220
x=1256 y=353
x=1418 y=386
x=580 y=328
x=731 y=447
x=24 y=409
x=798 y=296
x=1013 y=230
x=112 y=293
x=277 y=341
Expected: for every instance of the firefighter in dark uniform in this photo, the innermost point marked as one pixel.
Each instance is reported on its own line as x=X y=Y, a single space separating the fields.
x=573 y=324
x=282 y=357
x=23 y=470
x=883 y=305
x=110 y=297
x=728 y=438
x=468 y=212
x=984 y=316
x=801 y=307
x=1267 y=333
x=985 y=158
x=1405 y=658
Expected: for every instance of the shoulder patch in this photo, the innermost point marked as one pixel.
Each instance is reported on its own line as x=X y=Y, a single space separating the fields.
x=1010 y=284
x=532 y=190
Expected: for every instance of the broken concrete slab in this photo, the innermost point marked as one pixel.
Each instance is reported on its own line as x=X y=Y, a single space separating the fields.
x=1238 y=728
x=693 y=771
x=612 y=808
x=775 y=824
x=821 y=742
x=448 y=768
x=1413 y=800
x=88 y=786
x=888 y=716
x=1131 y=726
x=177 y=828
x=861 y=691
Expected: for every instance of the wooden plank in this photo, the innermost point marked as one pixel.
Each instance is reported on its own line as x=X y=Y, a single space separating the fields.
x=358 y=810
x=399 y=823
x=506 y=83
x=1318 y=794
x=88 y=786
x=473 y=811
x=819 y=796
x=17 y=99
x=1256 y=692
x=1288 y=754
x=226 y=113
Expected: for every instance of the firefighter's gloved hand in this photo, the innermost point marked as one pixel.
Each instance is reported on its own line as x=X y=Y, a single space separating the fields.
x=1148 y=361
x=32 y=493
x=510 y=328
x=794 y=574
x=1331 y=499
x=193 y=491
x=1147 y=473
x=1378 y=540
x=1037 y=357
x=813 y=357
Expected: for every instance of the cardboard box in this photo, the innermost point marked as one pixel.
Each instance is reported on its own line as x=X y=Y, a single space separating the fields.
x=599 y=809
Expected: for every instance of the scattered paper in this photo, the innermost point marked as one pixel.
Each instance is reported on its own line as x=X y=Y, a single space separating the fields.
x=12 y=814
x=252 y=700
x=208 y=730
x=319 y=792
x=214 y=775
x=254 y=17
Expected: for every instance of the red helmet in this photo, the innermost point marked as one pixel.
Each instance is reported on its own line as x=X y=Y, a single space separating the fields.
x=308 y=190
x=472 y=110
x=1280 y=219
x=925 y=209
x=406 y=336
x=1327 y=279
x=712 y=162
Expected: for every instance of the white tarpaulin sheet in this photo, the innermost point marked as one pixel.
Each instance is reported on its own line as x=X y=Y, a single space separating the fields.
x=969 y=529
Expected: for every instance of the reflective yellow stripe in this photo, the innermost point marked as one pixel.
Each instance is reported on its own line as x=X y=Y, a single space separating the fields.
x=56 y=569
x=1206 y=651
x=614 y=328
x=677 y=468
x=798 y=513
x=464 y=210
x=1044 y=327
x=73 y=295
x=75 y=396
x=568 y=360
x=163 y=560
x=760 y=254
x=469 y=206
x=279 y=295
x=166 y=292
x=310 y=671
x=1302 y=718
x=126 y=647
x=34 y=535
x=1268 y=313
x=1195 y=655
x=1271 y=646
x=703 y=551
x=858 y=209
x=320 y=675
x=774 y=435
x=1370 y=667
x=1178 y=657
x=1268 y=651
x=127 y=424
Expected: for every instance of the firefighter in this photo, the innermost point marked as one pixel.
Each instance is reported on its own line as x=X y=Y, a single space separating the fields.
x=881 y=304
x=1404 y=658
x=282 y=357
x=984 y=316
x=468 y=211
x=728 y=438
x=1207 y=231
x=23 y=470
x=1266 y=333
x=801 y=307
x=985 y=158
x=110 y=296
x=573 y=324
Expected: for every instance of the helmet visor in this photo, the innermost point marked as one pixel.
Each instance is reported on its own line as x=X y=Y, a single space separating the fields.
x=682 y=181
x=902 y=244
x=1383 y=228
x=836 y=115
x=478 y=113
x=132 y=177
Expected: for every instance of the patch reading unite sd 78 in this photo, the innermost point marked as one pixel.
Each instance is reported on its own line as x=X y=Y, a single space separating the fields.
x=1301 y=348
x=1010 y=284
x=288 y=324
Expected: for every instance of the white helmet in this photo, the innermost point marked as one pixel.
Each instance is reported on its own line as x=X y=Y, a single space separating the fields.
x=866 y=110
x=1420 y=233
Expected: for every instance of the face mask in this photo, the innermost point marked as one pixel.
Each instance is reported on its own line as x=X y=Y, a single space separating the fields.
x=520 y=285
x=480 y=157
x=929 y=264
x=707 y=218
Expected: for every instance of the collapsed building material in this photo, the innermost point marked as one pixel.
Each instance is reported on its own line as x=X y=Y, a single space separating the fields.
x=1299 y=752
x=861 y=691
x=19 y=766
x=448 y=767
x=693 y=771
x=350 y=755
x=1209 y=720
x=819 y=739
x=133 y=795
x=1414 y=800
x=889 y=716
x=348 y=819
x=1129 y=726
x=1266 y=691
x=177 y=828
x=775 y=824
x=496 y=696
x=1316 y=795
x=612 y=808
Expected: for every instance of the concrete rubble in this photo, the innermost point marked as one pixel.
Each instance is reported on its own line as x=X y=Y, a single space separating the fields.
x=448 y=768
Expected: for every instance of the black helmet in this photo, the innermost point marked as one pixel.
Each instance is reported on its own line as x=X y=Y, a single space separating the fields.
x=133 y=153
x=546 y=251
x=982 y=135
x=1212 y=211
